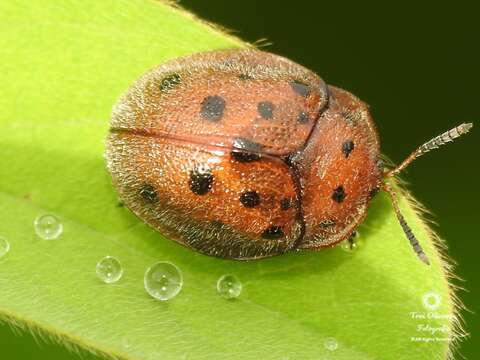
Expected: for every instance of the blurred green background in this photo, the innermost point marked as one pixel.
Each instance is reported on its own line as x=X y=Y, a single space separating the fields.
x=417 y=65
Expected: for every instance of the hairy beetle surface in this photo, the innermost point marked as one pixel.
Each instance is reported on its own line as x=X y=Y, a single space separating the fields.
x=244 y=154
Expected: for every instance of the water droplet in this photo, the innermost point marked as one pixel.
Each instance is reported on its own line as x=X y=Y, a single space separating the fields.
x=331 y=344
x=229 y=286
x=109 y=269
x=163 y=280
x=126 y=343
x=4 y=246
x=48 y=227
x=352 y=244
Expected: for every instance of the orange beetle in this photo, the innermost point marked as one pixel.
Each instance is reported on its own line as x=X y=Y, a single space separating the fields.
x=243 y=154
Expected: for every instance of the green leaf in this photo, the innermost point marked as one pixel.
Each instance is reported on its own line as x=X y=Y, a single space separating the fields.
x=64 y=64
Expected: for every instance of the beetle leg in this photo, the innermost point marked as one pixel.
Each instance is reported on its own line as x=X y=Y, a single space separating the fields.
x=403 y=223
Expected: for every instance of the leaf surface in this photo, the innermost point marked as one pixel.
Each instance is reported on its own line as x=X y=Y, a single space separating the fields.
x=64 y=64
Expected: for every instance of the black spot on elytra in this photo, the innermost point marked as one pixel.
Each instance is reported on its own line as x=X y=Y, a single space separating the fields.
x=250 y=199
x=170 y=81
x=245 y=77
x=339 y=194
x=300 y=88
x=327 y=223
x=285 y=203
x=265 y=109
x=245 y=150
x=201 y=180
x=302 y=118
x=243 y=156
x=347 y=147
x=148 y=192
x=272 y=233
x=212 y=108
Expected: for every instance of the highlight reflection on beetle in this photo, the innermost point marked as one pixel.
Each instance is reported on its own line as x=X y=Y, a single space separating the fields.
x=243 y=154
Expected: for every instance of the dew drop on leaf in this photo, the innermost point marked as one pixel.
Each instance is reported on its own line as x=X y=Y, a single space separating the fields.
x=4 y=246
x=229 y=287
x=48 y=227
x=331 y=344
x=352 y=244
x=126 y=344
x=109 y=270
x=163 y=280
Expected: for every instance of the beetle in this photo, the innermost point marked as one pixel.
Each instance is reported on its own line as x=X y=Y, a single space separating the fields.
x=243 y=154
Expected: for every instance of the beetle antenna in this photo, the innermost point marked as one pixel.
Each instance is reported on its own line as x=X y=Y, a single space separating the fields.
x=403 y=223
x=436 y=142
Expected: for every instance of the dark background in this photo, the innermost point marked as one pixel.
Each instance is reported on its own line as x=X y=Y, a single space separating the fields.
x=417 y=65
